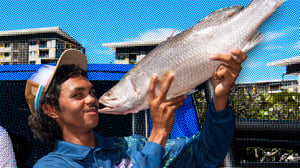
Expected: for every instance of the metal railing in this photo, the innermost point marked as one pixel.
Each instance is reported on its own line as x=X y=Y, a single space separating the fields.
x=261 y=134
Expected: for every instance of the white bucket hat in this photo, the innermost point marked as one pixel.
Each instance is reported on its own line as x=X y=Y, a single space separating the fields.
x=37 y=84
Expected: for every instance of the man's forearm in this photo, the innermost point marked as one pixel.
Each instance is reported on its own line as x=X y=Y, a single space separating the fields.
x=159 y=137
x=220 y=102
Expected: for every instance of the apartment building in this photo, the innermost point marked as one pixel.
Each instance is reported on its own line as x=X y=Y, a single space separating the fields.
x=35 y=46
x=131 y=52
x=292 y=69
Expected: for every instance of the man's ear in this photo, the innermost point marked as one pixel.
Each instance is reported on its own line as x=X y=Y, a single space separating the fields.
x=50 y=110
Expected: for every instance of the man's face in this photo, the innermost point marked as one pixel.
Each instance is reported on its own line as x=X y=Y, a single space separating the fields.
x=78 y=105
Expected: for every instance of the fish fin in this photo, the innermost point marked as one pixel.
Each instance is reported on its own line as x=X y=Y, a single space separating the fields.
x=222 y=14
x=191 y=91
x=257 y=37
x=135 y=88
x=216 y=18
x=185 y=93
x=228 y=11
x=131 y=85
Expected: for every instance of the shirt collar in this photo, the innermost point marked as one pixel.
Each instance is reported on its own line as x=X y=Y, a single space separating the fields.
x=80 y=152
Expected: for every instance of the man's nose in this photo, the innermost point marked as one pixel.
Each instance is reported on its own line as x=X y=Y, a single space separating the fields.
x=90 y=99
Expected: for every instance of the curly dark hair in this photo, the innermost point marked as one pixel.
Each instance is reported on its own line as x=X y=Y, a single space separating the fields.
x=44 y=127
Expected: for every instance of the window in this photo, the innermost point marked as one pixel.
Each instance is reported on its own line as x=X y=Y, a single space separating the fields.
x=67 y=45
x=7 y=45
x=6 y=54
x=59 y=45
x=52 y=61
x=58 y=53
x=43 y=44
x=132 y=58
x=32 y=43
x=121 y=57
x=32 y=53
x=43 y=54
x=143 y=53
x=48 y=61
x=32 y=62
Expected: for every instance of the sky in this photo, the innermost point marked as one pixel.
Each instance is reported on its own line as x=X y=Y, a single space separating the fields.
x=93 y=23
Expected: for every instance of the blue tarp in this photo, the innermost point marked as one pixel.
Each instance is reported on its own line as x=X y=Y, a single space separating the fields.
x=103 y=72
x=185 y=118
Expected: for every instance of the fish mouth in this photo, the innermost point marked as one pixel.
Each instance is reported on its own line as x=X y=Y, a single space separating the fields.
x=104 y=110
x=111 y=103
x=104 y=107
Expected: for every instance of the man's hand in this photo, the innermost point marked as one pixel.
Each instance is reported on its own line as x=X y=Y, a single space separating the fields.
x=162 y=110
x=226 y=75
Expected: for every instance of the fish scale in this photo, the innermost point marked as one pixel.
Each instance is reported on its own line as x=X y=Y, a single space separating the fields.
x=187 y=55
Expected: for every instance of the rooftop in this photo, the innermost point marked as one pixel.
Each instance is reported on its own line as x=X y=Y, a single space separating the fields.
x=113 y=46
x=38 y=31
x=285 y=62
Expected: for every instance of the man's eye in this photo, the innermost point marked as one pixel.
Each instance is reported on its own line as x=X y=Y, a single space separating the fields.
x=77 y=95
x=92 y=92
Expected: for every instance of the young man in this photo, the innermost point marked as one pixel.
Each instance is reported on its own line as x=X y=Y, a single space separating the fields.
x=65 y=112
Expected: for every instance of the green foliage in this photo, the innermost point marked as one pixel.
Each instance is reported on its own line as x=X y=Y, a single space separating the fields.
x=132 y=62
x=252 y=103
x=257 y=104
x=201 y=106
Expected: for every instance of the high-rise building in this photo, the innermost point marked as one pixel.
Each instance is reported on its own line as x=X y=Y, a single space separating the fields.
x=35 y=46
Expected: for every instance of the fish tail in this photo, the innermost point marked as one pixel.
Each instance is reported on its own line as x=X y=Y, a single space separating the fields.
x=257 y=37
x=267 y=7
x=278 y=2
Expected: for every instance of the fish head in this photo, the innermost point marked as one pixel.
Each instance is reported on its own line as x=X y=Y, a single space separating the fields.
x=123 y=98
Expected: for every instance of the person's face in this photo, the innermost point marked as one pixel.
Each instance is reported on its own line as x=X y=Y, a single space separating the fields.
x=78 y=104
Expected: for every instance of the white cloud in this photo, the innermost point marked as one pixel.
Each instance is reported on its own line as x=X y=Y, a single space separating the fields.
x=297 y=45
x=272 y=35
x=269 y=36
x=84 y=42
x=273 y=47
x=105 y=52
x=155 y=34
x=252 y=63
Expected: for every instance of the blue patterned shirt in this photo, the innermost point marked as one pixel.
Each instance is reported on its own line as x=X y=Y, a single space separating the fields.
x=205 y=149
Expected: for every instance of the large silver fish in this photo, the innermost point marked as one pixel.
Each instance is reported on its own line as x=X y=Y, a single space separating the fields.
x=186 y=55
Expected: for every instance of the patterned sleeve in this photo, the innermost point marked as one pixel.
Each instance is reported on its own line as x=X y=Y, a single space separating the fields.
x=208 y=147
x=144 y=154
x=7 y=158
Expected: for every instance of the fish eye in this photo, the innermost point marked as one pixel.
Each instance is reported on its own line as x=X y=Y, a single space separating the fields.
x=108 y=93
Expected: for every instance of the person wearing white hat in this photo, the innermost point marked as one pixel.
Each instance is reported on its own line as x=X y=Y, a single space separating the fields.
x=64 y=112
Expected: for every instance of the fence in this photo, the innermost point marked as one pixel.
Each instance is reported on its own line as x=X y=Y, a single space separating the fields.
x=273 y=134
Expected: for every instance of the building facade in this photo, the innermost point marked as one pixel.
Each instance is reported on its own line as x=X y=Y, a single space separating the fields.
x=275 y=86
x=35 y=46
x=131 y=52
x=292 y=68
